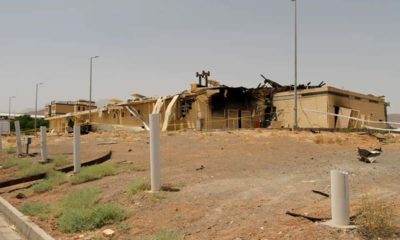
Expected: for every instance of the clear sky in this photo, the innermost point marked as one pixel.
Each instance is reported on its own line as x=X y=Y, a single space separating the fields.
x=155 y=47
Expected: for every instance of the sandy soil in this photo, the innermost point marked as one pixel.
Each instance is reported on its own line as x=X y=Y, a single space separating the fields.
x=250 y=179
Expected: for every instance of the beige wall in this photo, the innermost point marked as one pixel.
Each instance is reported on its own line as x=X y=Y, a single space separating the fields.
x=58 y=125
x=83 y=107
x=371 y=107
x=368 y=110
x=61 y=109
x=284 y=103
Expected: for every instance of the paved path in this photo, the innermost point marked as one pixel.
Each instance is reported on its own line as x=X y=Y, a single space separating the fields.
x=6 y=233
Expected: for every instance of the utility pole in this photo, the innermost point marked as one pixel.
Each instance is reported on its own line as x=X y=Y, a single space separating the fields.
x=90 y=91
x=295 y=124
x=9 y=107
x=37 y=89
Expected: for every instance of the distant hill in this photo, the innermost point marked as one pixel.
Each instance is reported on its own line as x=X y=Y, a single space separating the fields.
x=394 y=117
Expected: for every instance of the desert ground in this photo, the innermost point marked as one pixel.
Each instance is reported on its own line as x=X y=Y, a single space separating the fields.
x=232 y=184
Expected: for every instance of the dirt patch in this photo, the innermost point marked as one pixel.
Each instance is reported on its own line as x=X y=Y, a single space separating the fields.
x=232 y=185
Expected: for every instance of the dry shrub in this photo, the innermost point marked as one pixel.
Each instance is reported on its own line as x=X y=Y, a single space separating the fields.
x=319 y=139
x=376 y=219
x=339 y=140
x=330 y=140
x=322 y=139
x=327 y=139
x=390 y=139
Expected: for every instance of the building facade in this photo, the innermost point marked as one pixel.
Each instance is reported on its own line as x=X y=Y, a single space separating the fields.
x=56 y=108
x=222 y=107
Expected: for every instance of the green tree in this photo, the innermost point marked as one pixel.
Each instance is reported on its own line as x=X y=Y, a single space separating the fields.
x=28 y=123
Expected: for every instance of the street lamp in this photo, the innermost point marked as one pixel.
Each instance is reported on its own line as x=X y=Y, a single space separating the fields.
x=90 y=91
x=9 y=107
x=37 y=89
x=295 y=125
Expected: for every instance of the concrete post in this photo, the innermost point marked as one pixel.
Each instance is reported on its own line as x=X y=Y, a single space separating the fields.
x=155 y=152
x=43 y=144
x=340 y=204
x=18 y=136
x=77 y=148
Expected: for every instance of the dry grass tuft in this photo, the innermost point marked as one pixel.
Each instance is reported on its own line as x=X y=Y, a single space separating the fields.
x=137 y=186
x=376 y=219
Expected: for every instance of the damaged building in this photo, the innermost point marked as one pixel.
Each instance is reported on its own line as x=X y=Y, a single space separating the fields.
x=210 y=105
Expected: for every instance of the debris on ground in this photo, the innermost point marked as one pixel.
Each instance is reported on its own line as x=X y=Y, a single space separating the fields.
x=312 y=219
x=13 y=227
x=369 y=156
x=20 y=196
x=315 y=131
x=200 y=168
x=169 y=188
x=320 y=193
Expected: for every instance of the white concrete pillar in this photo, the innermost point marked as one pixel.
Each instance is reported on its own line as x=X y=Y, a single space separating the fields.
x=340 y=203
x=43 y=144
x=155 y=152
x=77 y=148
x=18 y=136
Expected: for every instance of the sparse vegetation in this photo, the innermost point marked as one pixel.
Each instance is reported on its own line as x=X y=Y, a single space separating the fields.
x=123 y=227
x=80 y=211
x=81 y=198
x=375 y=219
x=85 y=219
x=11 y=150
x=158 y=196
x=53 y=179
x=162 y=235
x=25 y=167
x=34 y=169
x=35 y=209
x=26 y=192
x=95 y=172
x=137 y=186
x=14 y=162
x=60 y=161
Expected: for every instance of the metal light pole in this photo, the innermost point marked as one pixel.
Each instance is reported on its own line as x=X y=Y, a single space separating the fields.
x=37 y=89
x=90 y=91
x=295 y=125
x=9 y=106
